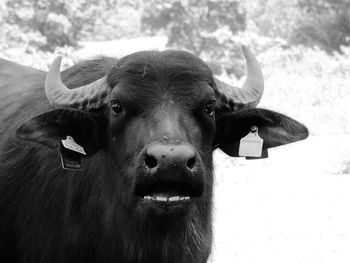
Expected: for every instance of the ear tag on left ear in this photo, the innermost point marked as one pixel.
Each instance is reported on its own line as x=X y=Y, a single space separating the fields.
x=70 y=160
x=70 y=144
x=71 y=154
x=251 y=145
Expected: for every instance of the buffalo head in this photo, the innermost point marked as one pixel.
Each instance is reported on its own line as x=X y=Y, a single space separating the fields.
x=149 y=127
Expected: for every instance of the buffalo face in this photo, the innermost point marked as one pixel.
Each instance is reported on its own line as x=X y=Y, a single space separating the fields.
x=161 y=115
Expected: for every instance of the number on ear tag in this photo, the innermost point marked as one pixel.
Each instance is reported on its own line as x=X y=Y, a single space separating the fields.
x=251 y=145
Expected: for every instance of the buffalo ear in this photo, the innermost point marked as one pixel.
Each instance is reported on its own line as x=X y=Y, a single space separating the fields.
x=51 y=127
x=274 y=128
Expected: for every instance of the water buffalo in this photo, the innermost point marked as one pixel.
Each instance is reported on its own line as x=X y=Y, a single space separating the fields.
x=113 y=162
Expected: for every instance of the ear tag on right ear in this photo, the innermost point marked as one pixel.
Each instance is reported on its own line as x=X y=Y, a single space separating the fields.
x=251 y=145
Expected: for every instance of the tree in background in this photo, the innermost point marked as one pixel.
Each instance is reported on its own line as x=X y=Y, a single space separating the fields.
x=119 y=19
x=209 y=28
x=272 y=18
x=52 y=22
x=325 y=23
x=321 y=23
x=190 y=24
x=196 y=26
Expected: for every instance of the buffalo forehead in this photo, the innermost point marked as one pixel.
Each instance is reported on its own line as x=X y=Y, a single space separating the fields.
x=168 y=68
x=173 y=75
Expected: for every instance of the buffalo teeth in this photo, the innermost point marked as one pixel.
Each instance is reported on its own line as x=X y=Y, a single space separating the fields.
x=161 y=198
x=167 y=199
x=173 y=198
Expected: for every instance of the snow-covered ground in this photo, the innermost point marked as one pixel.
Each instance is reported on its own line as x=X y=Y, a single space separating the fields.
x=119 y=48
x=291 y=207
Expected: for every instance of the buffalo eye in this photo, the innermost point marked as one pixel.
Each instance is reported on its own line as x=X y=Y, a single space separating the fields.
x=210 y=109
x=116 y=107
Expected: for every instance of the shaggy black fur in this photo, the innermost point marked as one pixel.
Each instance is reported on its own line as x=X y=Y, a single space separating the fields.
x=51 y=215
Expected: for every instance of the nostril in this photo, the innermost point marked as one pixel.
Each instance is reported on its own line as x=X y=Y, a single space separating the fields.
x=191 y=162
x=151 y=162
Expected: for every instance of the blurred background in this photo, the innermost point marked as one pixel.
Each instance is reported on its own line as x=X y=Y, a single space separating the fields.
x=291 y=207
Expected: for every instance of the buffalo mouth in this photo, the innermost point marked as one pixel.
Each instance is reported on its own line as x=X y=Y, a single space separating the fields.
x=168 y=193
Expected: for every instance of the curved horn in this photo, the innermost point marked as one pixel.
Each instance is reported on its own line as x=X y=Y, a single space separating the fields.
x=251 y=92
x=90 y=96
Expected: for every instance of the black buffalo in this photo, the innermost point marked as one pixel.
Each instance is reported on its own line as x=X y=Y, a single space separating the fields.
x=142 y=192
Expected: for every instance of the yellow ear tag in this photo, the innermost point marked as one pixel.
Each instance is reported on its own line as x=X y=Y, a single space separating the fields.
x=70 y=144
x=251 y=145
